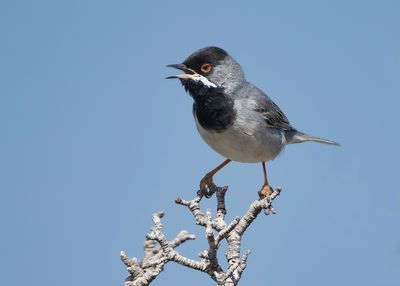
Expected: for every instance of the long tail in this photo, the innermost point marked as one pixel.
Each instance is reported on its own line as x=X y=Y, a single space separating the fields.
x=293 y=137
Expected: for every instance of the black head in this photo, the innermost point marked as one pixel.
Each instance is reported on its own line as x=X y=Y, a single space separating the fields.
x=204 y=60
x=209 y=68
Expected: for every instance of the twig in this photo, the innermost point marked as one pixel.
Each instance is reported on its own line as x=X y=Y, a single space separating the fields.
x=158 y=251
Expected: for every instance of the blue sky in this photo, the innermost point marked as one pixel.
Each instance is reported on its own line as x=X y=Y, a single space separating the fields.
x=93 y=139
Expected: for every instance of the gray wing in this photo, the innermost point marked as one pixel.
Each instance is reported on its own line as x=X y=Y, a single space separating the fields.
x=272 y=114
x=275 y=118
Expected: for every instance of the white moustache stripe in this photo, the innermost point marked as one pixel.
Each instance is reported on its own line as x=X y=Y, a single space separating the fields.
x=203 y=80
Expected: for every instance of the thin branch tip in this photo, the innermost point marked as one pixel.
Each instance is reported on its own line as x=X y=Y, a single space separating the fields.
x=158 y=251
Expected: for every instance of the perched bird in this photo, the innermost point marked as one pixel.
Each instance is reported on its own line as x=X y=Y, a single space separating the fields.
x=233 y=116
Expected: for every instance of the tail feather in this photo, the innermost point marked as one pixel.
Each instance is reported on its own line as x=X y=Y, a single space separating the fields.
x=293 y=137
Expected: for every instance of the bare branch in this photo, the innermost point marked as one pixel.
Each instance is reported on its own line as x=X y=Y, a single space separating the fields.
x=158 y=251
x=197 y=265
x=224 y=232
x=183 y=236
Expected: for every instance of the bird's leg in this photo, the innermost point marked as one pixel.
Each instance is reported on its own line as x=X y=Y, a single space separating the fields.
x=266 y=189
x=207 y=181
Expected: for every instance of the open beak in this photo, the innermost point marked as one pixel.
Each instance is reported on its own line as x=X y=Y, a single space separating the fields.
x=189 y=73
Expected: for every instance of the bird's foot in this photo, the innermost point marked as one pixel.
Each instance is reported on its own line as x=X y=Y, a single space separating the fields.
x=265 y=192
x=269 y=193
x=207 y=186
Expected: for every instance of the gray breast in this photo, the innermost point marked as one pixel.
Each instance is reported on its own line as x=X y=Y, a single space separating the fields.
x=247 y=139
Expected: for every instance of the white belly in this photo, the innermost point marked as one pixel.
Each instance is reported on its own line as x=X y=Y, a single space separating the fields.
x=248 y=141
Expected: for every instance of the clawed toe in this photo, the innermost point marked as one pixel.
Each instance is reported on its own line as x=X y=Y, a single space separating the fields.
x=265 y=191
x=269 y=194
x=207 y=187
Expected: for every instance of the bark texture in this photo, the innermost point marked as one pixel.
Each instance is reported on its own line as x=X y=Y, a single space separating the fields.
x=158 y=250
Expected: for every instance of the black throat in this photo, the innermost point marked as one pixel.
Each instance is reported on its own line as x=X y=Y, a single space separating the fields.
x=213 y=109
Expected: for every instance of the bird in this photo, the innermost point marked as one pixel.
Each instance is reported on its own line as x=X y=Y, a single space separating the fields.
x=233 y=116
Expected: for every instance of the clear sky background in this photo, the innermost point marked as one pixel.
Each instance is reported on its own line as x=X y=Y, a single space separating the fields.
x=93 y=140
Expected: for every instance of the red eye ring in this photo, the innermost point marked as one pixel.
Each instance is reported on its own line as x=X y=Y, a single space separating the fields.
x=206 y=68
